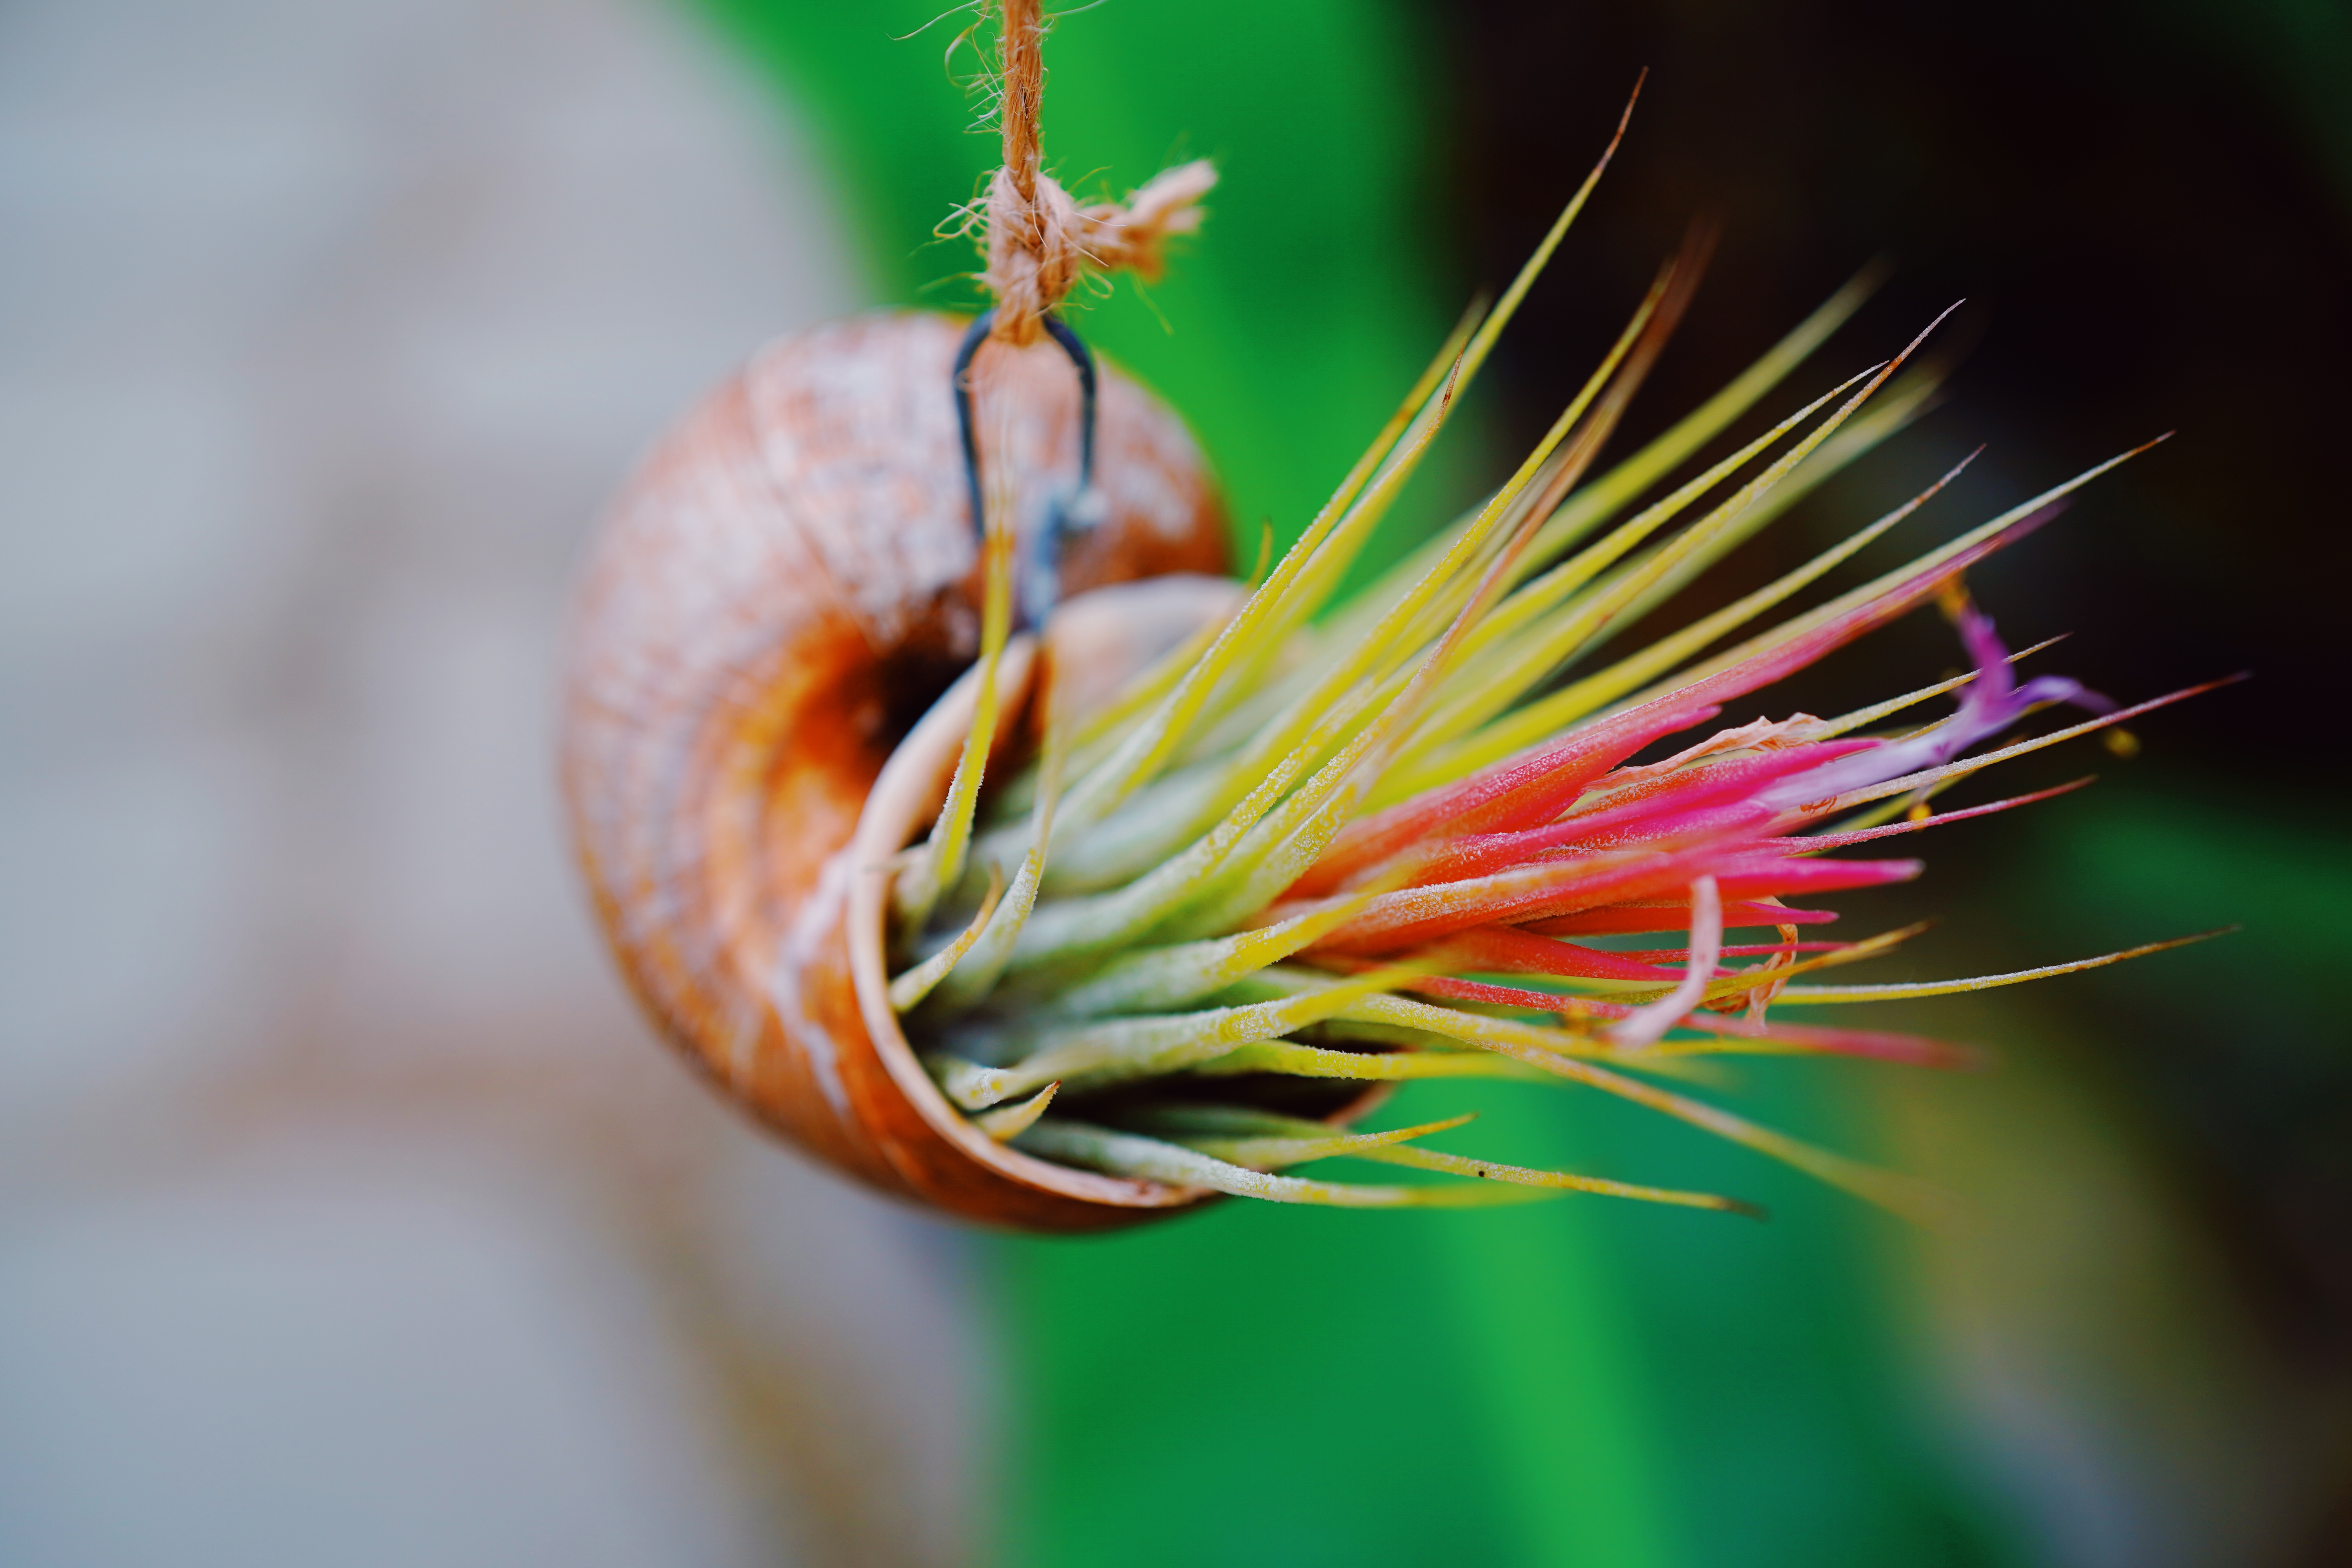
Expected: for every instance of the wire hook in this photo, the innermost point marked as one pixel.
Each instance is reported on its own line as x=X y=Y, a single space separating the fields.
x=1040 y=577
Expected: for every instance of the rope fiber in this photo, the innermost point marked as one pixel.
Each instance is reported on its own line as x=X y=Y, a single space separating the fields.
x=1040 y=241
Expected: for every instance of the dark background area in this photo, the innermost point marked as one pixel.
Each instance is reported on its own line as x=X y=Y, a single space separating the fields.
x=2148 y=227
x=2146 y=208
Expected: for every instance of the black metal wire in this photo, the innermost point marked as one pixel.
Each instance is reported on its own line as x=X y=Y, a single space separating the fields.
x=1040 y=581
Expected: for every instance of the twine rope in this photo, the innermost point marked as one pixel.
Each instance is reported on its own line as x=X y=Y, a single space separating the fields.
x=1040 y=241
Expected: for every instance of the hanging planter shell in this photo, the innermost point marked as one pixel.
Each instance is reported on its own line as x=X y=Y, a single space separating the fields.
x=780 y=592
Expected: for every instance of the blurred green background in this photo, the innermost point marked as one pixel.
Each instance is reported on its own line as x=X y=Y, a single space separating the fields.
x=2134 y=1349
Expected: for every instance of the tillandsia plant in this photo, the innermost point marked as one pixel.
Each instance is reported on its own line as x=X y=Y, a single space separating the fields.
x=1446 y=826
x=1209 y=868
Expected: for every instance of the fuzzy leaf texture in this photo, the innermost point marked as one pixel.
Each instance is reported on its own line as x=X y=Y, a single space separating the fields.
x=1420 y=833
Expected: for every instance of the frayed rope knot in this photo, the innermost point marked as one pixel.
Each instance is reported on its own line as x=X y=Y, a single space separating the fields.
x=1039 y=247
x=1040 y=242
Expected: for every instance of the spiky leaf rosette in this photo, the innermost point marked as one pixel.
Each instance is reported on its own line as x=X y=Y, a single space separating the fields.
x=1405 y=836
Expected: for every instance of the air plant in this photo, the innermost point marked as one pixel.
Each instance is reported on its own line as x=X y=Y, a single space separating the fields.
x=1399 y=835
x=1211 y=869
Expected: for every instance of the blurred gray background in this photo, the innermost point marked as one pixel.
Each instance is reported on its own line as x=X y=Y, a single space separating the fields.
x=344 y=1215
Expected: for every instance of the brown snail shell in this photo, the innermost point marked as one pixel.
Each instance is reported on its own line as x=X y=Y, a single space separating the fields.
x=782 y=589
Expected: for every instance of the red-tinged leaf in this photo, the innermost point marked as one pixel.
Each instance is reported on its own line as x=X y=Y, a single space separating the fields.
x=1878 y=1044
x=1413 y=916
x=1773 y=663
x=1750 y=879
x=1756 y=950
x=1702 y=782
x=1874 y=1045
x=1516 y=793
x=1507 y=950
x=1630 y=918
x=1713 y=821
x=1708 y=800
x=1812 y=842
x=1483 y=855
x=1454 y=990
x=1650 y=1023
